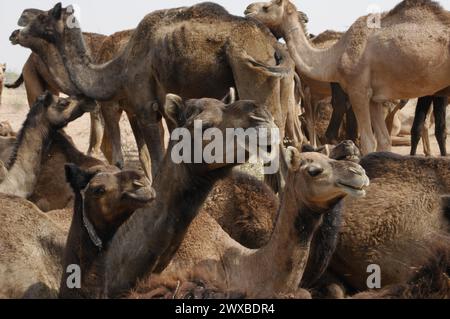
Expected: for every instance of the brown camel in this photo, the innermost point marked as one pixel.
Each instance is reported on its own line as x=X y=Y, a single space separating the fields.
x=314 y=187
x=396 y=232
x=48 y=114
x=178 y=202
x=26 y=274
x=50 y=192
x=38 y=77
x=104 y=201
x=371 y=73
x=154 y=66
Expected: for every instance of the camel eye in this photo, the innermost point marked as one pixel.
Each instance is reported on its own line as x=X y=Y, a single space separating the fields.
x=314 y=171
x=265 y=9
x=98 y=191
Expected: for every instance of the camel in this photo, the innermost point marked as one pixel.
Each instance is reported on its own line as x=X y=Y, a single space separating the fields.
x=50 y=191
x=2 y=79
x=177 y=203
x=48 y=114
x=104 y=201
x=150 y=68
x=26 y=274
x=38 y=78
x=417 y=130
x=374 y=231
x=371 y=73
x=315 y=187
x=383 y=232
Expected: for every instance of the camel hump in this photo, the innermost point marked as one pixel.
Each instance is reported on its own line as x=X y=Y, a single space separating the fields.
x=406 y=5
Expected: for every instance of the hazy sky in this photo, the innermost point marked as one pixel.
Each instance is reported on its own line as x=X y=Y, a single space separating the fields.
x=106 y=17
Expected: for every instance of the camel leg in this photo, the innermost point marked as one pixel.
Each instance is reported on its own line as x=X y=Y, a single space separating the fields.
x=361 y=106
x=149 y=122
x=144 y=155
x=112 y=142
x=439 y=109
x=351 y=125
x=379 y=127
x=426 y=141
x=422 y=109
x=309 y=105
x=96 y=135
x=339 y=101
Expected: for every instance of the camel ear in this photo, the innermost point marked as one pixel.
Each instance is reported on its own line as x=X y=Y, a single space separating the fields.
x=303 y=17
x=56 y=12
x=292 y=156
x=76 y=177
x=173 y=109
x=230 y=98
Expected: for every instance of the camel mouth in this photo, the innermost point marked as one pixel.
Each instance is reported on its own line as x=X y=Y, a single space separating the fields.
x=14 y=37
x=354 y=190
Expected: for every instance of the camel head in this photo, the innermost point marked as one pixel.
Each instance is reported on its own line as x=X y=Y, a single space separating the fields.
x=274 y=13
x=213 y=120
x=58 y=112
x=40 y=26
x=109 y=196
x=320 y=181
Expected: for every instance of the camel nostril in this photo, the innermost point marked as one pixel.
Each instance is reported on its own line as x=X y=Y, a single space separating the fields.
x=315 y=171
x=356 y=171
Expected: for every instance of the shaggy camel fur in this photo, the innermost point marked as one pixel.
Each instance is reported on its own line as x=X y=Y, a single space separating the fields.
x=384 y=232
x=32 y=249
x=2 y=79
x=48 y=114
x=371 y=73
x=145 y=88
x=315 y=186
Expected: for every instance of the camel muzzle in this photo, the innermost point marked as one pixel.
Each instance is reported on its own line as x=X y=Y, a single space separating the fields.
x=14 y=37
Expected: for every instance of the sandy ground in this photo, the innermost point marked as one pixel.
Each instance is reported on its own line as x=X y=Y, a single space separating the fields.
x=14 y=109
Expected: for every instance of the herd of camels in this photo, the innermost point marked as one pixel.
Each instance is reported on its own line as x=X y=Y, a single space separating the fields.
x=209 y=230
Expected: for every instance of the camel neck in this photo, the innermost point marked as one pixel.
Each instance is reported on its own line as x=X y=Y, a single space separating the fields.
x=25 y=161
x=99 y=82
x=282 y=261
x=80 y=250
x=52 y=63
x=181 y=189
x=314 y=63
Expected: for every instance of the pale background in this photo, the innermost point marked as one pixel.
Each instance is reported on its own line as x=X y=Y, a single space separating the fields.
x=106 y=17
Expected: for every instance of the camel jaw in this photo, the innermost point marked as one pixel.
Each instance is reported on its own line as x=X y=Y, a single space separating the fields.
x=356 y=187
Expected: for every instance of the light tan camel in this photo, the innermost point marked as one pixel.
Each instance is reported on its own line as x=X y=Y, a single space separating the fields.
x=314 y=187
x=369 y=72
